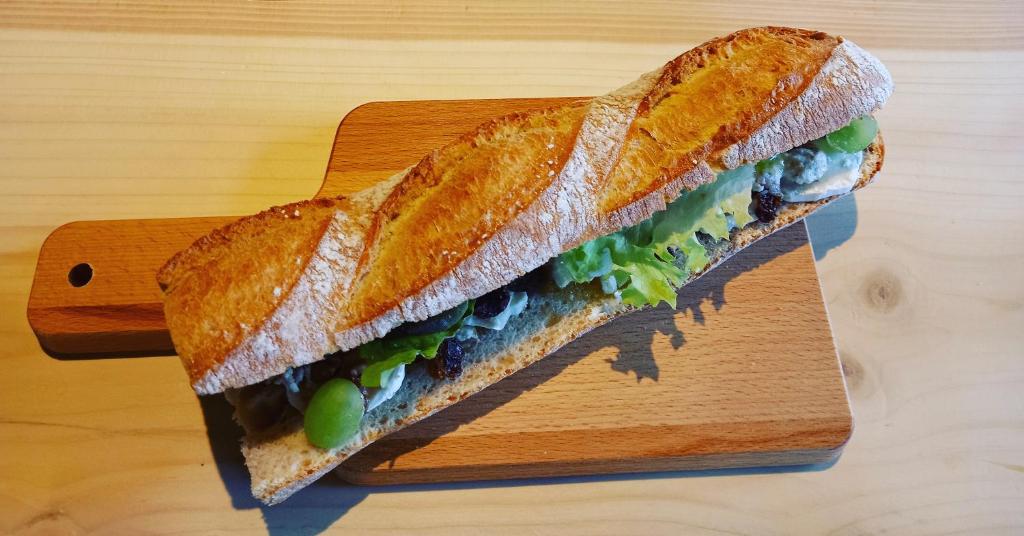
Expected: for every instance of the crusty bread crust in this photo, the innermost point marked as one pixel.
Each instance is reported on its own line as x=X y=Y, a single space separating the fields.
x=283 y=462
x=286 y=287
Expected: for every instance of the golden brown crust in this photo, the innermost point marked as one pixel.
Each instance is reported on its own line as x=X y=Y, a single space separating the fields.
x=499 y=202
x=450 y=203
x=694 y=108
x=205 y=329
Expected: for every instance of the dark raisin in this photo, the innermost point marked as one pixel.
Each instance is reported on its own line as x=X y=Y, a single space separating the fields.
x=355 y=374
x=492 y=304
x=706 y=240
x=448 y=361
x=766 y=205
x=257 y=407
x=532 y=282
x=327 y=368
x=433 y=324
x=366 y=396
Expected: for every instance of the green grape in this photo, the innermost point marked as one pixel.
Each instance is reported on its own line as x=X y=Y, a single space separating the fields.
x=334 y=413
x=854 y=137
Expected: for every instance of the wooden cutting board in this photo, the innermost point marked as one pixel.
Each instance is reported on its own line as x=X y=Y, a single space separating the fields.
x=744 y=373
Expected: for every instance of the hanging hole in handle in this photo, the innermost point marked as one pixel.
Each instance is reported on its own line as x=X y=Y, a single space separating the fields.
x=80 y=275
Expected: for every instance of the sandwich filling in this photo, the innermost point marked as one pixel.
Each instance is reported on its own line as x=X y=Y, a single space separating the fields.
x=640 y=265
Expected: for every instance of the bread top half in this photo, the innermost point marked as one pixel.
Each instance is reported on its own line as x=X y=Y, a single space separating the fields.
x=285 y=287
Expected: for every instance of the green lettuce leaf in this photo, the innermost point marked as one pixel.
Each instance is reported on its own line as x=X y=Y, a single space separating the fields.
x=383 y=355
x=647 y=262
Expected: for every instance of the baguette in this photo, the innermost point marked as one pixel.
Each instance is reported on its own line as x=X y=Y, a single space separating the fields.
x=292 y=284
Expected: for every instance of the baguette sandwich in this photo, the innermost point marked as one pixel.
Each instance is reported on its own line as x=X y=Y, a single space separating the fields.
x=330 y=323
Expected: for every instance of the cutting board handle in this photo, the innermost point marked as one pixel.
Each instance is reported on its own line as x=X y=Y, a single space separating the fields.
x=95 y=288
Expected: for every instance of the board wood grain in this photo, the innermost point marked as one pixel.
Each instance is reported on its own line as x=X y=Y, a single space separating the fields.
x=737 y=392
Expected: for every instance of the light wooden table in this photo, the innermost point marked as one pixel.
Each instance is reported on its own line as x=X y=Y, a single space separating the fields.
x=145 y=109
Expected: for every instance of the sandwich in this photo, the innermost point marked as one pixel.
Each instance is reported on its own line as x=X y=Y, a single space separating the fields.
x=332 y=322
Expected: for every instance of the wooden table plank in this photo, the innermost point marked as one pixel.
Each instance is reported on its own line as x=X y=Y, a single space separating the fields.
x=920 y=272
x=900 y=24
